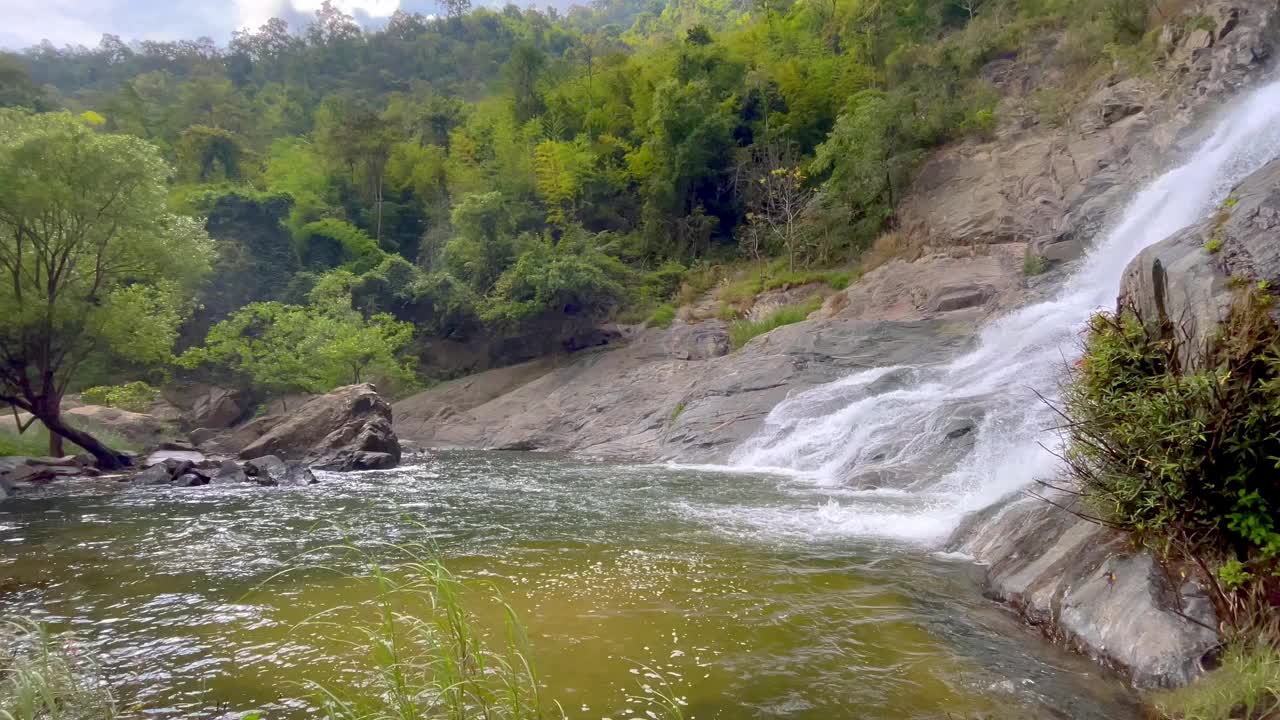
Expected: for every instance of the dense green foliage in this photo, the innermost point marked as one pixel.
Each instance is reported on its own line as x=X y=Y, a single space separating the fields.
x=1184 y=452
x=511 y=176
x=309 y=348
x=135 y=396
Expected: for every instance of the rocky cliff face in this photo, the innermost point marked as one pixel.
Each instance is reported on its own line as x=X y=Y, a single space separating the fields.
x=975 y=212
x=1052 y=186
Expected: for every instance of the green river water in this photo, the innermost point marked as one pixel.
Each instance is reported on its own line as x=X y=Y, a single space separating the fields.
x=716 y=582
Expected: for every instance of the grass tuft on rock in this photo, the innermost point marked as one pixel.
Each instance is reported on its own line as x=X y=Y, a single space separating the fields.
x=662 y=317
x=742 y=331
x=1246 y=686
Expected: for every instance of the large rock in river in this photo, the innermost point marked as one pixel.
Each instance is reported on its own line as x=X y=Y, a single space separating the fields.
x=348 y=429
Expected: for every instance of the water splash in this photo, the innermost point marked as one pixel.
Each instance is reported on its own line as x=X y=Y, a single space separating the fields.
x=961 y=436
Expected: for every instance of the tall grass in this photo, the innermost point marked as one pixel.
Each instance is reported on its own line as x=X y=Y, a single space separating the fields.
x=42 y=677
x=426 y=656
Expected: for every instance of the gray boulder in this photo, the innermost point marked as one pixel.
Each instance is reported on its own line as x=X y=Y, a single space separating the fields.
x=331 y=430
x=194 y=457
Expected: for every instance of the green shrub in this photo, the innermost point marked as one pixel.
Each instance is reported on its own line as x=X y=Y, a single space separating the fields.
x=662 y=317
x=742 y=331
x=1213 y=246
x=659 y=285
x=135 y=396
x=1185 y=457
x=1034 y=264
x=1246 y=686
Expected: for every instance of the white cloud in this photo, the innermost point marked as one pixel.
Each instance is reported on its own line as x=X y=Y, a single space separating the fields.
x=253 y=13
x=26 y=22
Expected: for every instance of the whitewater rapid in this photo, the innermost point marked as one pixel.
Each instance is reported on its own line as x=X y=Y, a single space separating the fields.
x=875 y=444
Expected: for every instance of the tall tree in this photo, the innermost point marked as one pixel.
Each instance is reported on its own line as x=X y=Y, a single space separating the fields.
x=92 y=262
x=523 y=70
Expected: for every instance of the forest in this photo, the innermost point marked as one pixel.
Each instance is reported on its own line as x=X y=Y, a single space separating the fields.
x=448 y=193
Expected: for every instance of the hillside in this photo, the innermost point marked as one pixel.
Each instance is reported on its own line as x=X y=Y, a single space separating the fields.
x=505 y=181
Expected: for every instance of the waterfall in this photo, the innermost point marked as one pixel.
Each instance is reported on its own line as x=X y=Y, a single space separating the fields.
x=906 y=452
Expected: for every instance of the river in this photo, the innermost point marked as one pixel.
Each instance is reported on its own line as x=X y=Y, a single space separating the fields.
x=617 y=571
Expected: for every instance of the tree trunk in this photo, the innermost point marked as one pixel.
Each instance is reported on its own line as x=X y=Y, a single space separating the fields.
x=55 y=445
x=107 y=458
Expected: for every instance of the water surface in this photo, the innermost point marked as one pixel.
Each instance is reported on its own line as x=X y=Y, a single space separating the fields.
x=728 y=587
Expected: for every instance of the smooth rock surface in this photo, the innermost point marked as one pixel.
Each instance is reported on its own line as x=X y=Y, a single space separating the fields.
x=1084 y=585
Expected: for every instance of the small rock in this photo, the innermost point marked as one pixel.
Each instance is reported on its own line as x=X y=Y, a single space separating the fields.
x=31 y=474
x=959 y=432
x=179 y=445
x=68 y=461
x=360 y=460
x=191 y=480
x=299 y=475
x=266 y=470
x=171 y=456
x=202 y=436
x=154 y=475
x=230 y=472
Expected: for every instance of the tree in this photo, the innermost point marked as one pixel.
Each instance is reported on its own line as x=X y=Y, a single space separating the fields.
x=482 y=246
x=16 y=87
x=554 y=289
x=558 y=168
x=283 y=348
x=866 y=158
x=777 y=198
x=523 y=70
x=207 y=154
x=332 y=26
x=455 y=8
x=92 y=262
x=359 y=139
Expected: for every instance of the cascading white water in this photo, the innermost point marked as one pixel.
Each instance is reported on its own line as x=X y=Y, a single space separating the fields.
x=886 y=428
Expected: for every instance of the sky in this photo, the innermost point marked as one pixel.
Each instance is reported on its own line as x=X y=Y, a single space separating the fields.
x=82 y=22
